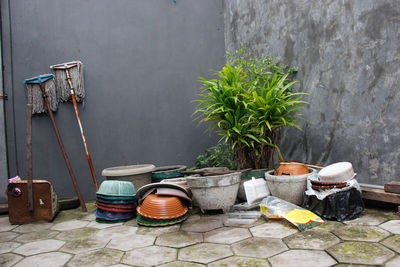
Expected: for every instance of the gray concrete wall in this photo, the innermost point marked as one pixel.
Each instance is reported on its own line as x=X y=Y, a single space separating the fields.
x=141 y=61
x=347 y=54
x=3 y=154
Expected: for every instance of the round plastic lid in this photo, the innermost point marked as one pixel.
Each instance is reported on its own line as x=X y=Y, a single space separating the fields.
x=337 y=172
x=128 y=170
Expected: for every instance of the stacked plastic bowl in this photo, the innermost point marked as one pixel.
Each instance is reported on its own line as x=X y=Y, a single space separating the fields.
x=116 y=201
x=162 y=204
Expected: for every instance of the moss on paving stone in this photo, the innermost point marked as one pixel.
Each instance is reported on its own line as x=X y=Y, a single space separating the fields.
x=328 y=225
x=393 y=242
x=100 y=257
x=240 y=262
x=361 y=233
x=311 y=240
x=360 y=252
x=34 y=236
x=182 y=264
x=80 y=233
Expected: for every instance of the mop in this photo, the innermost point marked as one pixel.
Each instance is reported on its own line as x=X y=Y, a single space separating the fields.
x=42 y=97
x=68 y=75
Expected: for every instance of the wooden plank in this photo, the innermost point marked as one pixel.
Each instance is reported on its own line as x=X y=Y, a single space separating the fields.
x=392 y=187
x=380 y=195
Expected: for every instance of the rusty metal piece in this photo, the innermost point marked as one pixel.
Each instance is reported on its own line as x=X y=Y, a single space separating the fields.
x=81 y=201
x=45 y=202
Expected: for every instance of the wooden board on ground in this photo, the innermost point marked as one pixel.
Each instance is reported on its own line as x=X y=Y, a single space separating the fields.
x=392 y=187
x=380 y=195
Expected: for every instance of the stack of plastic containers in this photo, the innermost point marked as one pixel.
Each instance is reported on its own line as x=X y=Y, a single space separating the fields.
x=162 y=204
x=116 y=201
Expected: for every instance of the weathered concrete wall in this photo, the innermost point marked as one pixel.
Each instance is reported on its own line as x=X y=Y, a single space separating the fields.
x=142 y=60
x=348 y=57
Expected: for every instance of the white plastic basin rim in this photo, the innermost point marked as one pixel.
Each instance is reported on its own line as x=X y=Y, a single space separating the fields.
x=128 y=170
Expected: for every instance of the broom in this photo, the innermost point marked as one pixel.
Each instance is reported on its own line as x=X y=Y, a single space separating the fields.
x=41 y=95
x=68 y=75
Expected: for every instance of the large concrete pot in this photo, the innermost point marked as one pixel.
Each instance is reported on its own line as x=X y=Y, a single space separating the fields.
x=289 y=188
x=139 y=175
x=215 y=192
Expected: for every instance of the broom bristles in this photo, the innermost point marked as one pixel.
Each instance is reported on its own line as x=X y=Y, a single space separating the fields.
x=38 y=105
x=63 y=89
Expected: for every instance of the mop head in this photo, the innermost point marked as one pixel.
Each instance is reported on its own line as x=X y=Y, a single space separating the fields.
x=63 y=89
x=35 y=93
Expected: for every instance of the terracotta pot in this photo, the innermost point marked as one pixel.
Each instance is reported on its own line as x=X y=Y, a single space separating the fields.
x=291 y=170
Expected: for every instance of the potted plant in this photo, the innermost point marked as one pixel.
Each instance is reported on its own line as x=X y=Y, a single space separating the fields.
x=248 y=103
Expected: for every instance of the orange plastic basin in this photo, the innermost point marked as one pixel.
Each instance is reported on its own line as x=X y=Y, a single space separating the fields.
x=161 y=207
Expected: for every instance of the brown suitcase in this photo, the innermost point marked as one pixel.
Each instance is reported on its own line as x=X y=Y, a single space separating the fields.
x=45 y=202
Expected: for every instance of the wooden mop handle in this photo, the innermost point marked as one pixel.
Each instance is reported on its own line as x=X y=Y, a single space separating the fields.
x=78 y=117
x=53 y=122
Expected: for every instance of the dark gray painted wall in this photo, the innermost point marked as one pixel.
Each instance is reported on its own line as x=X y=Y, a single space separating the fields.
x=141 y=61
x=348 y=56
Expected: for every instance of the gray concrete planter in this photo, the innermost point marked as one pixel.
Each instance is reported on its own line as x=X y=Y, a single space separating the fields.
x=289 y=188
x=139 y=175
x=215 y=192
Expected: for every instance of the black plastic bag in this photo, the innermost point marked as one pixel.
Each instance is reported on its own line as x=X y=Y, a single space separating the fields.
x=341 y=206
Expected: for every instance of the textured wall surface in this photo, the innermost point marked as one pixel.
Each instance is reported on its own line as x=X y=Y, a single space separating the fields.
x=348 y=57
x=142 y=60
x=3 y=155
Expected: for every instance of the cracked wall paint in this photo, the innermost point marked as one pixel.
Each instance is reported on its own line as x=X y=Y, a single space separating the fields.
x=347 y=54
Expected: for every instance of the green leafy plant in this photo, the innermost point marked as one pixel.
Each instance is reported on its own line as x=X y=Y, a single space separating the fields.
x=248 y=103
x=219 y=155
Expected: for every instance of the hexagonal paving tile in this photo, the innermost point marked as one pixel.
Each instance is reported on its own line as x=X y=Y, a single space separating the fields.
x=361 y=233
x=311 y=239
x=37 y=247
x=259 y=247
x=204 y=252
x=69 y=225
x=179 y=239
x=156 y=231
x=393 y=242
x=90 y=217
x=373 y=217
x=202 y=225
x=150 y=256
x=227 y=235
x=83 y=245
x=116 y=232
x=8 y=246
x=240 y=261
x=5 y=224
x=33 y=227
x=392 y=226
x=395 y=262
x=328 y=226
x=7 y=236
x=97 y=258
x=35 y=236
x=47 y=259
x=131 y=242
x=301 y=258
x=81 y=233
x=274 y=229
x=9 y=259
x=360 y=252
x=182 y=264
x=103 y=225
